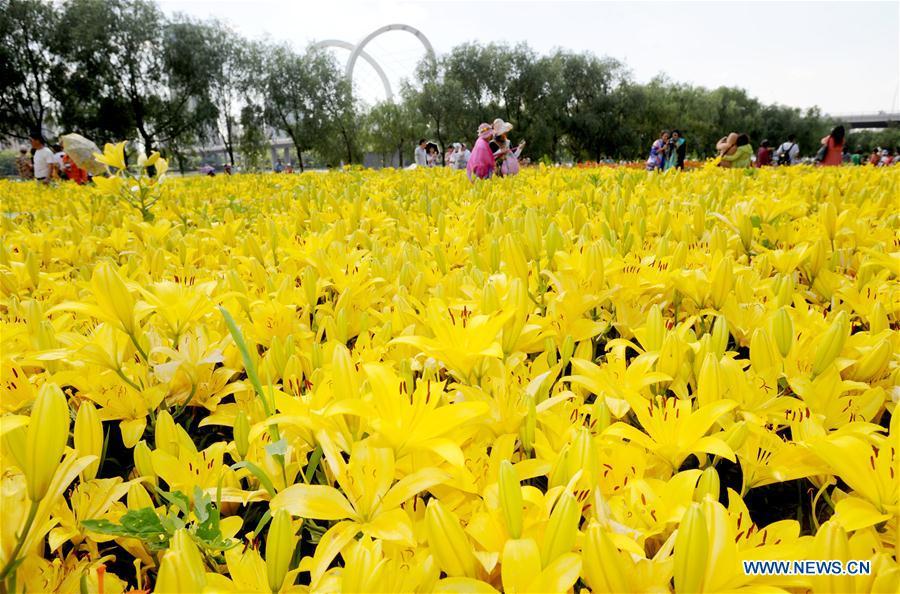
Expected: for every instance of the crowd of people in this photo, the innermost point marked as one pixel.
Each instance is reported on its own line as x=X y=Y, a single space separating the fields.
x=492 y=153
x=46 y=163
x=735 y=151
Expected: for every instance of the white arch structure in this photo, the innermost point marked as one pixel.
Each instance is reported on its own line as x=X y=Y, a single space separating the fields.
x=358 y=51
x=368 y=58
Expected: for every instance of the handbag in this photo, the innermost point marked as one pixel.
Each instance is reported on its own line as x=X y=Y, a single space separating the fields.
x=823 y=151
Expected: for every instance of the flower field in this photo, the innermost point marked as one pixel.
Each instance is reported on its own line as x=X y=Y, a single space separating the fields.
x=572 y=380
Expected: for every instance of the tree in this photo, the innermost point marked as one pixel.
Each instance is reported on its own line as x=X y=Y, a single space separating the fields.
x=339 y=140
x=253 y=142
x=27 y=29
x=391 y=128
x=129 y=69
x=234 y=67
x=290 y=105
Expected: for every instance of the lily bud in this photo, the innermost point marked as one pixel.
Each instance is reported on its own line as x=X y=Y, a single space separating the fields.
x=784 y=293
x=280 y=544
x=166 y=438
x=137 y=497
x=181 y=569
x=113 y=296
x=735 y=435
x=553 y=241
x=878 y=319
x=710 y=383
x=89 y=437
x=763 y=355
x=514 y=257
x=872 y=364
x=828 y=214
x=242 y=434
x=46 y=439
x=603 y=570
x=831 y=343
x=511 y=499
x=708 y=485
x=143 y=462
x=448 y=542
x=529 y=426
x=783 y=331
x=691 y=551
x=656 y=330
x=721 y=282
x=567 y=349
x=33 y=266
x=562 y=528
x=719 y=336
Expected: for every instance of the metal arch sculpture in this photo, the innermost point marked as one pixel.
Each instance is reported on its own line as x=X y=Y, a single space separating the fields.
x=367 y=57
x=351 y=61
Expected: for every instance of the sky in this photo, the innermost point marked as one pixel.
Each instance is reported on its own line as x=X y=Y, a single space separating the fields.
x=843 y=57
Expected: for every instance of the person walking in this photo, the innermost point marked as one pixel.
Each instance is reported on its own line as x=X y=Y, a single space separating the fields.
x=24 y=165
x=481 y=163
x=831 y=153
x=788 y=153
x=676 y=151
x=421 y=156
x=658 y=151
x=44 y=160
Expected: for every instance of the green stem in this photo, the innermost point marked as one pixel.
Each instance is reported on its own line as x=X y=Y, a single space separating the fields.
x=32 y=512
x=126 y=379
x=137 y=345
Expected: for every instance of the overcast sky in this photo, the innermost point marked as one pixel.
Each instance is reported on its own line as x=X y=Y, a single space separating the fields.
x=841 y=56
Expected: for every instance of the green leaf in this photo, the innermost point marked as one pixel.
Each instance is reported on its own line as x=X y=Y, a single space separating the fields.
x=259 y=473
x=314 y=460
x=176 y=498
x=142 y=524
x=249 y=365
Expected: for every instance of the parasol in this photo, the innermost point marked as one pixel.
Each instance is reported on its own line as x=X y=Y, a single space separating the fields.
x=81 y=151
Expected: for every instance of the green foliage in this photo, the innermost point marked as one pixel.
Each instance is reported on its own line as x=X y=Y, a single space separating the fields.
x=156 y=529
x=8 y=163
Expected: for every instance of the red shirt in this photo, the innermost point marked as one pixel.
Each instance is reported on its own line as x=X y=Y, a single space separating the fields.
x=833 y=156
x=763 y=157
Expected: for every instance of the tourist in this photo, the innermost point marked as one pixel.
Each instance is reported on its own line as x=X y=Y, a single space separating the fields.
x=44 y=161
x=832 y=148
x=506 y=157
x=735 y=151
x=24 y=164
x=657 y=152
x=675 y=152
x=874 y=157
x=227 y=169
x=788 y=153
x=59 y=160
x=431 y=155
x=279 y=166
x=458 y=156
x=73 y=171
x=481 y=162
x=764 y=154
x=886 y=158
x=856 y=157
x=421 y=156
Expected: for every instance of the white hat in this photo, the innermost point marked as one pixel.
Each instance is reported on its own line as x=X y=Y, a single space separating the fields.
x=501 y=127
